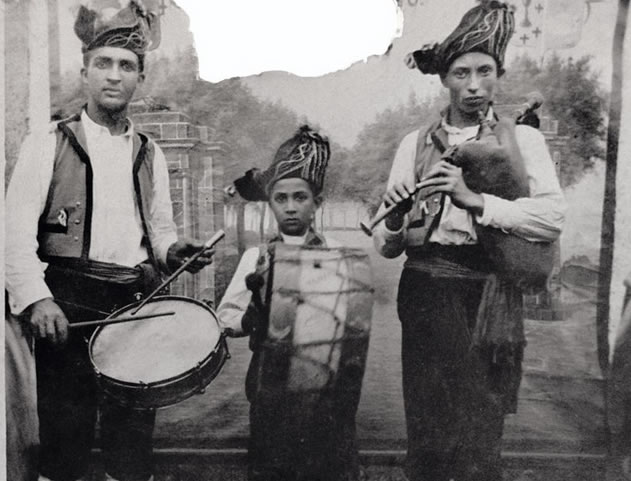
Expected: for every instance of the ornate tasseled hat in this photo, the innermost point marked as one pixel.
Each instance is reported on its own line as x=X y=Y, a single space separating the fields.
x=304 y=156
x=486 y=28
x=106 y=23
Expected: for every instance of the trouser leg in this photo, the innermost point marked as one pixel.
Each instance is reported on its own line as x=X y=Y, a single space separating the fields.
x=306 y=436
x=127 y=441
x=67 y=407
x=454 y=420
x=271 y=452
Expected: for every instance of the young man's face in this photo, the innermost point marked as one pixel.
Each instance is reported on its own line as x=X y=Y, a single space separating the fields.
x=111 y=78
x=471 y=79
x=294 y=205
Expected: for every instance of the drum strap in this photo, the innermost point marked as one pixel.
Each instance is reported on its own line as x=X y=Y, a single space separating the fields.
x=263 y=268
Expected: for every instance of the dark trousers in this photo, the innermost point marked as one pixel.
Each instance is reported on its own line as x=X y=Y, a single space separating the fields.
x=68 y=398
x=454 y=418
x=68 y=402
x=289 y=444
x=308 y=436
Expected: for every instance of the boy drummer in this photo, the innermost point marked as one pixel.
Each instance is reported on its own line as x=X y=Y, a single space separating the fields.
x=285 y=442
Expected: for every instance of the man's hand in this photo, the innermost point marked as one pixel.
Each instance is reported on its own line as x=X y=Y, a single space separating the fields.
x=401 y=194
x=447 y=178
x=179 y=252
x=47 y=321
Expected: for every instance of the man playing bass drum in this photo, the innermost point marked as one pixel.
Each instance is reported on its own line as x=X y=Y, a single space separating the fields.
x=289 y=441
x=461 y=318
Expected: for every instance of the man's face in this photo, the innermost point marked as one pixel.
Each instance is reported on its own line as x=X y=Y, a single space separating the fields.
x=471 y=79
x=294 y=205
x=111 y=78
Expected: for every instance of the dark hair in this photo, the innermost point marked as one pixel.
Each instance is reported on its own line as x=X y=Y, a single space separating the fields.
x=141 y=60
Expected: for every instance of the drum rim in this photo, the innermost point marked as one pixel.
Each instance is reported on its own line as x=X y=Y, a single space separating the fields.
x=221 y=342
x=220 y=347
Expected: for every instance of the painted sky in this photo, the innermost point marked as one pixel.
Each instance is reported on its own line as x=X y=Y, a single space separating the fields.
x=245 y=32
x=344 y=101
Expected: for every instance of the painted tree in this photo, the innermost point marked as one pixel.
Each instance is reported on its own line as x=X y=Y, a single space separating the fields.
x=366 y=171
x=573 y=96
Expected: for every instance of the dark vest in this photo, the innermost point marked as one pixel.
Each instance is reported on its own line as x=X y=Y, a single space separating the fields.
x=65 y=226
x=426 y=211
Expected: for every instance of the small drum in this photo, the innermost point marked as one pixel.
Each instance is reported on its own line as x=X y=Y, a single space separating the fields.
x=158 y=362
x=320 y=307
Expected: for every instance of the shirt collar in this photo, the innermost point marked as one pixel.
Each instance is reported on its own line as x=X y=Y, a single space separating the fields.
x=92 y=128
x=451 y=130
x=311 y=239
x=294 y=240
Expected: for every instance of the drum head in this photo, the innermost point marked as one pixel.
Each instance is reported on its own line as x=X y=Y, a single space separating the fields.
x=152 y=350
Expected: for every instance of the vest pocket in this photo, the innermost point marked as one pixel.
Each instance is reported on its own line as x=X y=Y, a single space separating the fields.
x=56 y=222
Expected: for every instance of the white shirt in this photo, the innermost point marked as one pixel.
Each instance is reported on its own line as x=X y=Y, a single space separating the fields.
x=535 y=218
x=116 y=227
x=237 y=297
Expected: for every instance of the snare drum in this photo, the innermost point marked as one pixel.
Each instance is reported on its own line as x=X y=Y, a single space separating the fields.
x=158 y=362
x=320 y=306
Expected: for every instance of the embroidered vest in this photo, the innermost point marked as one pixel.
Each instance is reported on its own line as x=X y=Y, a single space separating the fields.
x=65 y=226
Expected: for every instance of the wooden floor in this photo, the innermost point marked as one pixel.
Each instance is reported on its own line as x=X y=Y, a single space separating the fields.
x=229 y=465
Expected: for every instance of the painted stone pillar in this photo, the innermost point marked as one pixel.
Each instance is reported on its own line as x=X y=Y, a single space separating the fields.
x=195 y=163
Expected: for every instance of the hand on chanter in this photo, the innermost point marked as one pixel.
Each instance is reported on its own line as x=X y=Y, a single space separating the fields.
x=401 y=194
x=179 y=252
x=446 y=178
x=47 y=321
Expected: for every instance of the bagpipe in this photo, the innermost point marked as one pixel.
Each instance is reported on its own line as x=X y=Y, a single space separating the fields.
x=492 y=164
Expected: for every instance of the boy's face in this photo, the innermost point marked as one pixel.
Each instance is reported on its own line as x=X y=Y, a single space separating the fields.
x=111 y=78
x=471 y=79
x=294 y=205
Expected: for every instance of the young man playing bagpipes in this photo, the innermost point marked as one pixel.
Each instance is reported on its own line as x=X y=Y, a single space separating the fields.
x=289 y=441
x=478 y=206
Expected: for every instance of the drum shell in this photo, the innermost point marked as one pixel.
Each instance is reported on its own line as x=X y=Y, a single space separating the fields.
x=165 y=392
x=288 y=362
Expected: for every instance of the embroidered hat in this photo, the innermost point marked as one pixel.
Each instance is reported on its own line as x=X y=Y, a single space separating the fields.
x=107 y=23
x=486 y=28
x=304 y=156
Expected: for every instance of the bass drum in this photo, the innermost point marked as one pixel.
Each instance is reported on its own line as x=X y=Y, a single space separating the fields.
x=153 y=363
x=320 y=308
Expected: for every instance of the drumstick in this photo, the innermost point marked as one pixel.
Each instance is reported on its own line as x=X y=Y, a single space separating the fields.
x=372 y=223
x=105 y=322
x=208 y=245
